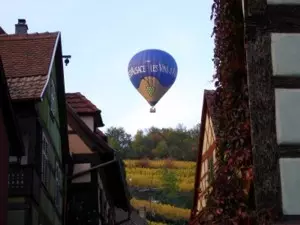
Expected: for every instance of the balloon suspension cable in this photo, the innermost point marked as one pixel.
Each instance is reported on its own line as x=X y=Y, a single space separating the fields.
x=152 y=110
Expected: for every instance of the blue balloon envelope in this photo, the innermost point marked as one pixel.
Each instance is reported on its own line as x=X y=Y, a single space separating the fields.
x=152 y=72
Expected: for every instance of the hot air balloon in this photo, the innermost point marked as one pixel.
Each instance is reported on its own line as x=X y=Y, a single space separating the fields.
x=152 y=72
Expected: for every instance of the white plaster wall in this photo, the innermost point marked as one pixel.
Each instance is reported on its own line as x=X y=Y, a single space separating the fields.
x=283 y=2
x=290 y=183
x=285 y=49
x=79 y=168
x=287 y=115
x=89 y=121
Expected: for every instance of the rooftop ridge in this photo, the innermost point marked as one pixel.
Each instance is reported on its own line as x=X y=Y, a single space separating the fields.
x=31 y=36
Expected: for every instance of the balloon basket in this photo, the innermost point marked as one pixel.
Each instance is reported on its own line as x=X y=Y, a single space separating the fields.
x=152 y=110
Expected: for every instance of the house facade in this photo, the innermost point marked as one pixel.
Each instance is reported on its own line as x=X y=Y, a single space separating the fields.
x=10 y=142
x=206 y=160
x=272 y=29
x=98 y=189
x=273 y=46
x=34 y=73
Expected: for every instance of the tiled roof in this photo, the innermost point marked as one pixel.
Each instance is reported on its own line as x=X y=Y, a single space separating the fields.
x=117 y=187
x=26 y=60
x=10 y=122
x=80 y=103
x=30 y=87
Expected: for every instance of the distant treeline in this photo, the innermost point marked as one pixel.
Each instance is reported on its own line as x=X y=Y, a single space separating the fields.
x=154 y=143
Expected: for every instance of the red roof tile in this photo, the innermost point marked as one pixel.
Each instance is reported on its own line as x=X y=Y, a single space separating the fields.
x=26 y=61
x=80 y=103
x=24 y=88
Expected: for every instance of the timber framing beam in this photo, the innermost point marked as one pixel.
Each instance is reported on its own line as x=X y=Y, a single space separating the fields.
x=266 y=20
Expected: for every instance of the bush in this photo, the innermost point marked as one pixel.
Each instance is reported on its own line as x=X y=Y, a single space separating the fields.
x=169 y=163
x=144 y=163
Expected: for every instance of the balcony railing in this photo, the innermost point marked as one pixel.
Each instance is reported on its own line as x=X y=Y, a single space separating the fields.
x=19 y=180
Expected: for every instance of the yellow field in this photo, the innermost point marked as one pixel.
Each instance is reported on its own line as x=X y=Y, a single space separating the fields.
x=140 y=180
x=155 y=171
x=152 y=176
x=162 y=163
x=168 y=211
x=155 y=223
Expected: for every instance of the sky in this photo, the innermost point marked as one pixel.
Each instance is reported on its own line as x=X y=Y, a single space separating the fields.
x=102 y=36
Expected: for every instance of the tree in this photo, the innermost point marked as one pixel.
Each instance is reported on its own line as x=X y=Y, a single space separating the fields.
x=169 y=183
x=161 y=150
x=119 y=140
x=154 y=143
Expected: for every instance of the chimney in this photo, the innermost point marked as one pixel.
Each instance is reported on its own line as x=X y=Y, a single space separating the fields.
x=21 y=27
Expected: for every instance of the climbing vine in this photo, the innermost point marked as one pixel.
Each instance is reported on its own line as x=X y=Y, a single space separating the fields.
x=231 y=200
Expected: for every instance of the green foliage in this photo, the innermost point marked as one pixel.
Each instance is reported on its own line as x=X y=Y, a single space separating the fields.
x=154 y=143
x=169 y=183
x=162 y=162
x=119 y=140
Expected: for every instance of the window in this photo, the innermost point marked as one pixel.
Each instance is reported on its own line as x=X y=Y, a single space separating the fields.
x=45 y=170
x=52 y=97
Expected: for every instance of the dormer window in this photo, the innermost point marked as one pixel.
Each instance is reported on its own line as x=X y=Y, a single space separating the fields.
x=52 y=97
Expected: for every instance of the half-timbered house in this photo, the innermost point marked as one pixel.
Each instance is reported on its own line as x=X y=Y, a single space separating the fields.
x=34 y=72
x=206 y=159
x=273 y=47
x=11 y=143
x=98 y=190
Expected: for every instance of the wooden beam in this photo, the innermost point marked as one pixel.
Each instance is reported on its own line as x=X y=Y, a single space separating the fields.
x=263 y=129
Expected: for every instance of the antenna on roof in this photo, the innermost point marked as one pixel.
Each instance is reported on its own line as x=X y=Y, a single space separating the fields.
x=67 y=57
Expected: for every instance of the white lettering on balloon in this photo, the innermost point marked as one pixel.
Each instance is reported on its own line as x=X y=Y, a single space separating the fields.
x=152 y=69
